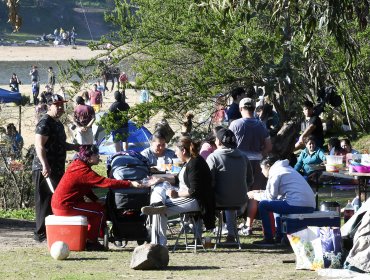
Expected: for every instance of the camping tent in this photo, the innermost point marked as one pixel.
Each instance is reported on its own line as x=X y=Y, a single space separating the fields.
x=7 y=96
x=138 y=138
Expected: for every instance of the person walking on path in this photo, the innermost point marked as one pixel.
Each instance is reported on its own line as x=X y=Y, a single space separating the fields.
x=254 y=140
x=83 y=118
x=120 y=135
x=96 y=98
x=49 y=162
x=51 y=77
x=34 y=73
x=14 y=83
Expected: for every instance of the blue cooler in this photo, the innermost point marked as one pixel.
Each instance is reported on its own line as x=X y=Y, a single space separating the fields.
x=295 y=222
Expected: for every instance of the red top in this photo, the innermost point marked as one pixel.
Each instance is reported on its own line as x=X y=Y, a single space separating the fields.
x=96 y=97
x=77 y=182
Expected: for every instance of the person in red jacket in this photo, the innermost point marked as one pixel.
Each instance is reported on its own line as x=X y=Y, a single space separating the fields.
x=76 y=184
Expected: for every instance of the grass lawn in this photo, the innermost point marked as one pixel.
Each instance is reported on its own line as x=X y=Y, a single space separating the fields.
x=249 y=263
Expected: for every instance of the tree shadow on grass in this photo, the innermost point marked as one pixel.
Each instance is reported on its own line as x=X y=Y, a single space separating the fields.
x=86 y=259
x=197 y=267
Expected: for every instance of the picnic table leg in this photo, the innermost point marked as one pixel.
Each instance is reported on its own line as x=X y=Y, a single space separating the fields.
x=317 y=190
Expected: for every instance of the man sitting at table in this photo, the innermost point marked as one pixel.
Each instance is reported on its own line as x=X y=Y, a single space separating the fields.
x=158 y=149
x=231 y=175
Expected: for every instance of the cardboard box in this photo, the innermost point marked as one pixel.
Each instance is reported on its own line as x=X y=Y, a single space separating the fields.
x=295 y=222
x=69 y=229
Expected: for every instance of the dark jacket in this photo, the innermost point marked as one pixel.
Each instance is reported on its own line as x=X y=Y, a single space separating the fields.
x=198 y=179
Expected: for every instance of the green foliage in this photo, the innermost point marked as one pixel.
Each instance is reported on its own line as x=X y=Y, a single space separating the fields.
x=186 y=52
x=21 y=214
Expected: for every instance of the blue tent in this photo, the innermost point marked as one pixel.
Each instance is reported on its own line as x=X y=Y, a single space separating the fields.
x=7 y=96
x=138 y=138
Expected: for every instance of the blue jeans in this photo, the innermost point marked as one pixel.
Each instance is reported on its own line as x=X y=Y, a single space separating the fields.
x=279 y=207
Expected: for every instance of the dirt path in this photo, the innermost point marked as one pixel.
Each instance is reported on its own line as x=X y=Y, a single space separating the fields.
x=17 y=234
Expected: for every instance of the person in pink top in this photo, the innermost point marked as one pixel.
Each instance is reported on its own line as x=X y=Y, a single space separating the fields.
x=209 y=146
x=96 y=98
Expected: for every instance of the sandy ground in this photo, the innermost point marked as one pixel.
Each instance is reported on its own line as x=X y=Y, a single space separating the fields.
x=58 y=53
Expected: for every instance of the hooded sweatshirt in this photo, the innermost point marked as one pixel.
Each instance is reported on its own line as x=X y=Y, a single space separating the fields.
x=287 y=184
x=231 y=176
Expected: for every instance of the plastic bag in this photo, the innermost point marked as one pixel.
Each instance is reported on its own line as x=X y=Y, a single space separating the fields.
x=317 y=247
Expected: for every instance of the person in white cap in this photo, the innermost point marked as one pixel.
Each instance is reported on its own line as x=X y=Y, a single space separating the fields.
x=254 y=140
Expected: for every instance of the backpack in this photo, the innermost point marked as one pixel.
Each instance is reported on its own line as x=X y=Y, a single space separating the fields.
x=128 y=165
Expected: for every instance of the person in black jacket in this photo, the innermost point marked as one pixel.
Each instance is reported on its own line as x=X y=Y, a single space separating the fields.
x=195 y=192
x=120 y=135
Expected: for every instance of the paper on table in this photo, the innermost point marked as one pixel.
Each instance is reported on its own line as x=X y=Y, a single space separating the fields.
x=259 y=195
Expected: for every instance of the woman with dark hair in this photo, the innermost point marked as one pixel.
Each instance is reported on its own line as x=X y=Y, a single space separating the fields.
x=209 y=146
x=311 y=155
x=287 y=192
x=346 y=145
x=76 y=184
x=335 y=148
x=195 y=192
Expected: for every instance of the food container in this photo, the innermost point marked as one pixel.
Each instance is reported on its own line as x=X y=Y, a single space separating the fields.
x=334 y=160
x=361 y=168
x=332 y=168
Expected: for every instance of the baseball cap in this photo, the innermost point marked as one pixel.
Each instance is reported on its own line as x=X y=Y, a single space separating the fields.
x=247 y=102
x=227 y=138
x=55 y=99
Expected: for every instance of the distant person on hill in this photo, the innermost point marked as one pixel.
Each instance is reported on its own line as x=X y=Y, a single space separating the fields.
x=35 y=91
x=83 y=118
x=120 y=135
x=46 y=94
x=100 y=87
x=34 y=73
x=16 y=140
x=85 y=96
x=72 y=36
x=233 y=113
x=96 y=98
x=51 y=77
x=14 y=83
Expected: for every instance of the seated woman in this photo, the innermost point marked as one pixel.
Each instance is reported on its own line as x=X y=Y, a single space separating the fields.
x=76 y=184
x=311 y=155
x=158 y=149
x=195 y=193
x=335 y=148
x=16 y=140
x=209 y=146
x=231 y=175
x=287 y=192
x=346 y=145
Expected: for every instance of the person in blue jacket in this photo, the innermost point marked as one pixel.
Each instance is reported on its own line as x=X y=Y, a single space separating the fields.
x=311 y=155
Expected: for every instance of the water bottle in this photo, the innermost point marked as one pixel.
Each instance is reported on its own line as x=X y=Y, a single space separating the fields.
x=348 y=211
x=160 y=164
x=356 y=203
x=167 y=185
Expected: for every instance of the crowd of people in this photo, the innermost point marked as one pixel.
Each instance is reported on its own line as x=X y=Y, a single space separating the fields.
x=232 y=167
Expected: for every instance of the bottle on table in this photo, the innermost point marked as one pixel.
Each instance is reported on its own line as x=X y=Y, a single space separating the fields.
x=348 y=211
x=161 y=164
